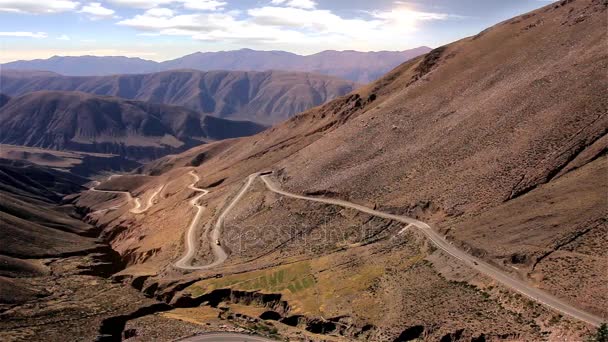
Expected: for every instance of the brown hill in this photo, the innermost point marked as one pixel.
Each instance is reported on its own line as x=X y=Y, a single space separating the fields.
x=33 y=225
x=79 y=163
x=134 y=129
x=497 y=140
x=265 y=97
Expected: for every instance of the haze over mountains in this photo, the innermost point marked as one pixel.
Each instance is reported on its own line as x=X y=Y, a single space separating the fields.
x=361 y=67
x=265 y=97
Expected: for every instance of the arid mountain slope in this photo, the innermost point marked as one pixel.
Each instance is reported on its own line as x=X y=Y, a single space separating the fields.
x=265 y=97
x=33 y=225
x=4 y=99
x=83 y=122
x=356 y=66
x=469 y=138
x=78 y=163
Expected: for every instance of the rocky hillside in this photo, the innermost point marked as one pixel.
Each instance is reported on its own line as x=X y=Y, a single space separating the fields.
x=264 y=97
x=134 y=129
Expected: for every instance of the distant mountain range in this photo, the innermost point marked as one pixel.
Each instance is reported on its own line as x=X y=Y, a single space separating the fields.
x=134 y=129
x=264 y=97
x=362 y=67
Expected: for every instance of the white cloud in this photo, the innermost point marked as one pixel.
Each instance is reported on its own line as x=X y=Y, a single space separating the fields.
x=140 y=3
x=95 y=11
x=294 y=23
x=37 y=6
x=37 y=35
x=159 y=12
x=63 y=37
x=203 y=5
x=306 y=4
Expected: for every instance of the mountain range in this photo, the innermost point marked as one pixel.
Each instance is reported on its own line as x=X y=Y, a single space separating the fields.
x=264 y=97
x=90 y=123
x=361 y=67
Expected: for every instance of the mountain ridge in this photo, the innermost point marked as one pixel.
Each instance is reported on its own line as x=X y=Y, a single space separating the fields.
x=84 y=122
x=264 y=97
x=364 y=66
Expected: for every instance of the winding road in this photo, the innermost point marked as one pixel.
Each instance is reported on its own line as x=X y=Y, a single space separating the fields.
x=137 y=209
x=226 y=337
x=219 y=253
x=438 y=240
x=475 y=263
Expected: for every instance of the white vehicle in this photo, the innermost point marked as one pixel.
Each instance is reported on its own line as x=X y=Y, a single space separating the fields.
x=217 y=242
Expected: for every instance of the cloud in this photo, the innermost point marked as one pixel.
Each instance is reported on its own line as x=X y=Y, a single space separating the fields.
x=37 y=35
x=96 y=11
x=159 y=12
x=63 y=37
x=294 y=23
x=306 y=4
x=37 y=6
x=202 y=5
x=140 y=3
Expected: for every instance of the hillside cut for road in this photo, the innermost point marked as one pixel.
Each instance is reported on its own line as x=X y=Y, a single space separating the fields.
x=497 y=141
x=264 y=97
x=134 y=129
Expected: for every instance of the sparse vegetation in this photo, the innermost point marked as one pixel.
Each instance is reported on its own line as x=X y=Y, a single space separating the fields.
x=601 y=335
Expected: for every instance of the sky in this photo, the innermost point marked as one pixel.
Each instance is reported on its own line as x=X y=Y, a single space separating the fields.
x=166 y=29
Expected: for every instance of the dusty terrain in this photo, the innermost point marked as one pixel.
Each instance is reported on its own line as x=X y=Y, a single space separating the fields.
x=265 y=97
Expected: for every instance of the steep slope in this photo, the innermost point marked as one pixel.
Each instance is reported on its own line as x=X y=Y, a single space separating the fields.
x=4 y=99
x=32 y=225
x=54 y=272
x=134 y=129
x=356 y=66
x=265 y=97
